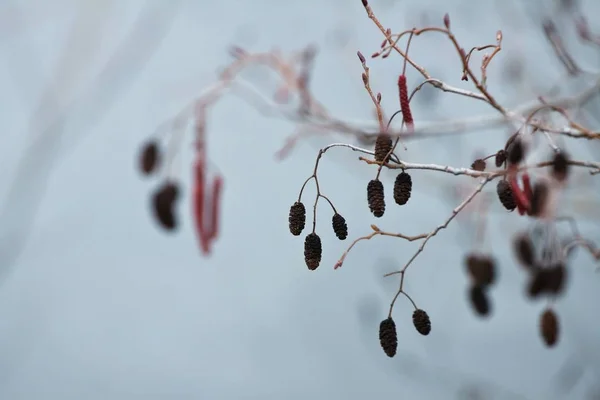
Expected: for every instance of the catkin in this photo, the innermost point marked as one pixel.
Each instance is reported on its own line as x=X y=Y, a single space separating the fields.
x=163 y=202
x=312 y=251
x=421 y=322
x=402 y=188
x=506 y=196
x=297 y=218
x=549 y=327
x=404 y=103
x=339 y=226
x=383 y=145
x=388 y=338
x=376 y=198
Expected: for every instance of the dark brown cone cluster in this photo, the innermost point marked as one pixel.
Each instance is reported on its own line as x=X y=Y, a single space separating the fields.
x=388 y=337
x=500 y=158
x=383 y=145
x=421 y=322
x=297 y=218
x=149 y=158
x=506 y=196
x=549 y=281
x=478 y=165
x=479 y=300
x=560 y=166
x=339 y=226
x=481 y=269
x=312 y=251
x=523 y=247
x=549 y=327
x=539 y=198
x=163 y=204
x=376 y=198
x=402 y=188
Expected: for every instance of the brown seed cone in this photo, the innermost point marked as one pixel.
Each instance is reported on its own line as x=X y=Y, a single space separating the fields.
x=539 y=199
x=478 y=165
x=312 y=251
x=500 y=158
x=516 y=151
x=388 y=337
x=482 y=269
x=479 y=300
x=549 y=327
x=163 y=204
x=538 y=283
x=556 y=279
x=376 y=198
x=505 y=194
x=560 y=166
x=297 y=218
x=402 y=188
x=339 y=226
x=383 y=145
x=149 y=158
x=421 y=322
x=523 y=247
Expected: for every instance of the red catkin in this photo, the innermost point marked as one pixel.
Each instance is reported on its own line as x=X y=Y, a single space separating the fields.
x=520 y=196
x=199 y=203
x=404 y=103
x=217 y=189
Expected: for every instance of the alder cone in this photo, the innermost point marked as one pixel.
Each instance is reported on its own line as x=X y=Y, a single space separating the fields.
x=523 y=247
x=500 y=158
x=388 y=338
x=376 y=197
x=163 y=204
x=506 y=196
x=539 y=198
x=516 y=151
x=556 y=279
x=383 y=145
x=549 y=327
x=478 y=165
x=339 y=226
x=560 y=166
x=421 y=322
x=482 y=269
x=312 y=251
x=297 y=218
x=538 y=284
x=149 y=158
x=479 y=300
x=402 y=188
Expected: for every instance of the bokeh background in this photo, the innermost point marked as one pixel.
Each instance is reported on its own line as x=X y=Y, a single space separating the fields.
x=97 y=303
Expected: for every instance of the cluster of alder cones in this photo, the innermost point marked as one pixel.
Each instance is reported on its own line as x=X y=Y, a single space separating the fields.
x=375 y=198
x=388 y=337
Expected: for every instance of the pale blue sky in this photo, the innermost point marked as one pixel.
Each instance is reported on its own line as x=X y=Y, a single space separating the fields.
x=99 y=304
